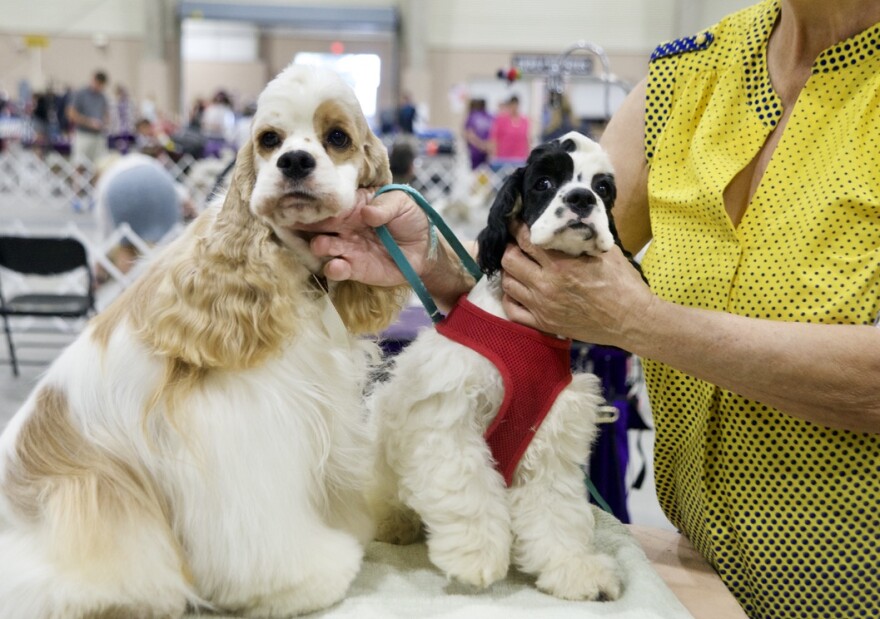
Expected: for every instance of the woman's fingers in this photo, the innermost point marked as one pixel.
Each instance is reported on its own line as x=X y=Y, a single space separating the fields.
x=518 y=313
x=337 y=270
x=520 y=266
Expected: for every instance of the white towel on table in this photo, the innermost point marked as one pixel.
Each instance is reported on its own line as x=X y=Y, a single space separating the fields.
x=399 y=582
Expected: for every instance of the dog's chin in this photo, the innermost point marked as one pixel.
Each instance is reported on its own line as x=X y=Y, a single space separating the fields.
x=292 y=210
x=575 y=239
x=299 y=206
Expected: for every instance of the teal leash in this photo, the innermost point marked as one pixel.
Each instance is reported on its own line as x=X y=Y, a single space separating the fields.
x=594 y=492
x=434 y=221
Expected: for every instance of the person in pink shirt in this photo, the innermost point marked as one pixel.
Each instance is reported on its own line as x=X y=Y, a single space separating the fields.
x=509 y=136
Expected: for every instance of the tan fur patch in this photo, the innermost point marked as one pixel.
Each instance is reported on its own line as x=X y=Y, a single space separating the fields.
x=368 y=309
x=364 y=309
x=260 y=149
x=376 y=171
x=333 y=114
x=87 y=495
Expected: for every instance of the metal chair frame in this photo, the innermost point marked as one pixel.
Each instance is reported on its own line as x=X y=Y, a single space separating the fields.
x=45 y=257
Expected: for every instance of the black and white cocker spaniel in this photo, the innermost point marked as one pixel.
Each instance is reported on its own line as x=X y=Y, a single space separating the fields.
x=482 y=429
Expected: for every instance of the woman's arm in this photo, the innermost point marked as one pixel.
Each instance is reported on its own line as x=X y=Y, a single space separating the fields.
x=624 y=141
x=825 y=374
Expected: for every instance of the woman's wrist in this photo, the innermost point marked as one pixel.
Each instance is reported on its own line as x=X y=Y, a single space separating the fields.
x=639 y=330
x=445 y=277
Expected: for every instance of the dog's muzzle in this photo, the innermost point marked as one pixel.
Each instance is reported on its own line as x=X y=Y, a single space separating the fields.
x=296 y=164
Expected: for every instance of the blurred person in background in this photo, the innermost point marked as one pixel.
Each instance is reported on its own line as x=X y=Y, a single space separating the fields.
x=218 y=123
x=89 y=114
x=406 y=114
x=477 y=128
x=402 y=159
x=560 y=118
x=509 y=137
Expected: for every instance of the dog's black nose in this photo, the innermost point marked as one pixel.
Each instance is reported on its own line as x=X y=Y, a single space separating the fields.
x=296 y=164
x=580 y=200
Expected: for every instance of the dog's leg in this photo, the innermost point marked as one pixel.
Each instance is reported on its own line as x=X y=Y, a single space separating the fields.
x=447 y=476
x=262 y=531
x=69 y=568
x=87 y=531
x=276 y=560
x=396 y=522
x=551 y=516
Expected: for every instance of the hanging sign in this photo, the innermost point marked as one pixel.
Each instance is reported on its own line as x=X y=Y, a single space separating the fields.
x=548 y=64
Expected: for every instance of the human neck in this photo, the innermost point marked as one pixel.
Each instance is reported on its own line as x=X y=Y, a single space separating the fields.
x=808 y=27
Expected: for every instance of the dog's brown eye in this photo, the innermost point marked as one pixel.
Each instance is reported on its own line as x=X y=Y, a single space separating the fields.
x=543 y=184
x=270 y=139
x=338 y=139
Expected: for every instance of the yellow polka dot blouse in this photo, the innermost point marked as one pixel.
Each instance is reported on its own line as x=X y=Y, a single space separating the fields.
x=788 y=512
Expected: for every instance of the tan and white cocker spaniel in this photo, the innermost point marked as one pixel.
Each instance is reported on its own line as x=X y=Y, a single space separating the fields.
x=203 y=442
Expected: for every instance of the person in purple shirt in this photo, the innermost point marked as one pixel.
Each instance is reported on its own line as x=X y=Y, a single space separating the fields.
x=476 y=131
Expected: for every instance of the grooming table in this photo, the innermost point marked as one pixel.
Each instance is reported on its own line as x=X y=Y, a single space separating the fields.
x=399 y=582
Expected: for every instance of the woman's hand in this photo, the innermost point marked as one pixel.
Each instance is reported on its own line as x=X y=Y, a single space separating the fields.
x=353 y=249
x=590 y=299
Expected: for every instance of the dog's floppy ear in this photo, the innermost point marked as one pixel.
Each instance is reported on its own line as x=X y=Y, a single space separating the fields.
x=244 y=177
x=367 y=309
x=609 y=203
x=493 y=239
x=230 y=257
x=363 y=308
x=376 y=171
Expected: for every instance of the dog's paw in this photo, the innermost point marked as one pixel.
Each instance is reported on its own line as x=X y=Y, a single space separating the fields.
x=402 y=526
x=477 y=570
x=590 y=577
x=313 y=595
x=479 y=567
x=326 y=581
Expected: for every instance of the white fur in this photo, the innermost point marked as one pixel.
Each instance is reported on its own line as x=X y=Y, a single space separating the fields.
x=263 y=468
x=246 y=476
x=550 y=229
x=436 y=469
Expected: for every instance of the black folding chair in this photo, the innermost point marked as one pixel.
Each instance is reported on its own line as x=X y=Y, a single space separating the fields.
x=44 y=256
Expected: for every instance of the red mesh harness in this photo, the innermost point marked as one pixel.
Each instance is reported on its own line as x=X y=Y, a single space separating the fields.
x=534 y=366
